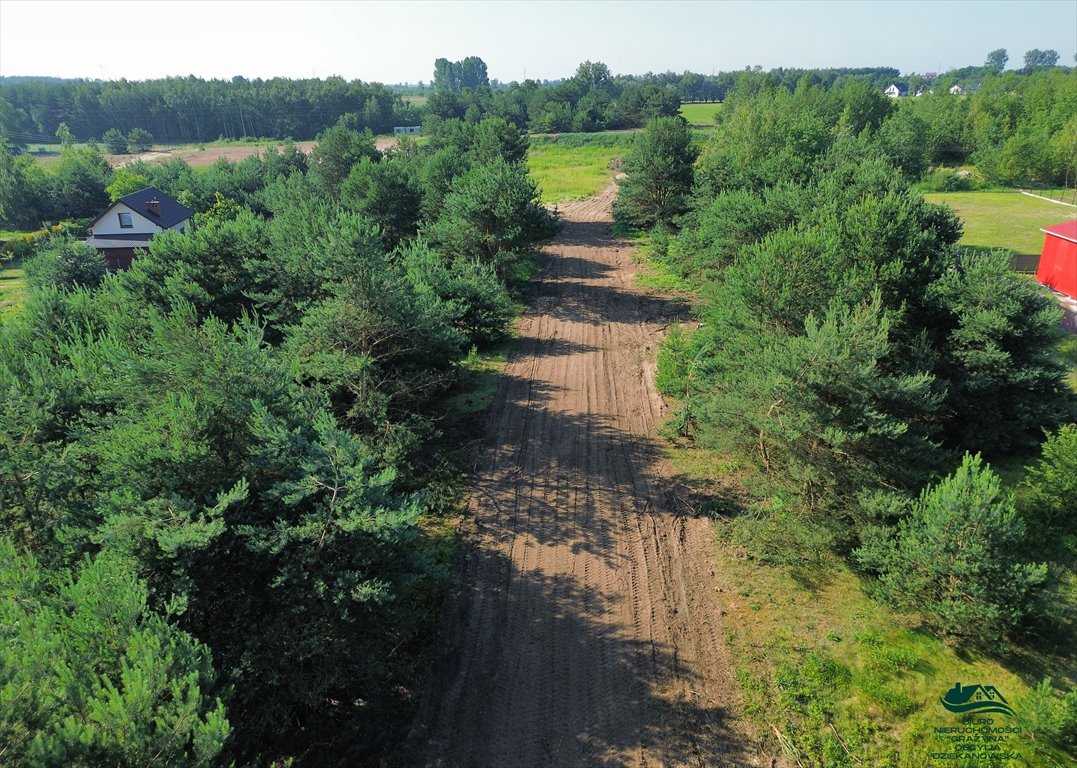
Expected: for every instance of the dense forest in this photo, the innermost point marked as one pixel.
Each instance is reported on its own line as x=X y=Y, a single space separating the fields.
x=215 y=467
x=861 y=367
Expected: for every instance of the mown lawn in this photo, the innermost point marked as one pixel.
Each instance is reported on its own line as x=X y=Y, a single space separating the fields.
x=700 y=114
x=567 y=172
x=1003 y=218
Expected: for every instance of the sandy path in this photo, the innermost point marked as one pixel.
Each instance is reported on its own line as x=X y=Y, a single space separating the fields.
x=587 y=633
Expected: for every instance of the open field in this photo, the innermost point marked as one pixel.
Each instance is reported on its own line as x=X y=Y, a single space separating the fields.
x=12 y=287
x=195 y=155
x=700 y=114
x=201 y=155
x=571 y=173
x=1003 y=218
x=566 y=169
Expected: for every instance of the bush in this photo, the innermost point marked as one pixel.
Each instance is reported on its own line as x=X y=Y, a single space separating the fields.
x=88 y=676
x=64 y=263
x=115 y=141
x=674 y=363
x=956 y=557
x=139 y=140
x=1050 y=716
x=1052 y=486
x=948 y=180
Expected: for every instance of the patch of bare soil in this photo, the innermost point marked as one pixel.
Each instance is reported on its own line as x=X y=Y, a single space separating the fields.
x=199 y=158
x=587 y=631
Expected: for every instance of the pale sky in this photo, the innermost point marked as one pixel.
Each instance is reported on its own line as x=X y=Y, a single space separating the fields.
x=398 y=41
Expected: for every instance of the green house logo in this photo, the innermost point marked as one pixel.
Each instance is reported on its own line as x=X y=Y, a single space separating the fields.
x=976 y=699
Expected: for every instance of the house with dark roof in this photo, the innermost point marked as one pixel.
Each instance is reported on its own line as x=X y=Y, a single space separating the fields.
x=131 y=222
x=896 y=90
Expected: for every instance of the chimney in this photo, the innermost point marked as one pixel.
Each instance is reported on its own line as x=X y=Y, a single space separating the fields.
x=154 y=206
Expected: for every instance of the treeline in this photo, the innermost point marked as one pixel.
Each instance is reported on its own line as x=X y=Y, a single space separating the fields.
x=848 y=350
x=189 y=109
x=215 y=467
x=1015 y=128
x=594 y=99
x=848 y=357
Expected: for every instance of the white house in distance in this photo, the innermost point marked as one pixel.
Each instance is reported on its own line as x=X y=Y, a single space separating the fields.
x=132 y=221
x=896 y=90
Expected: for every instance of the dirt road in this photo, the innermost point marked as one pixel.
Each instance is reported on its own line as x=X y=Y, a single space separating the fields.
x=587 y=633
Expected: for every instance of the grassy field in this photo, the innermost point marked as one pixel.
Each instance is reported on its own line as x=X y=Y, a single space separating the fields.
x=840 y=679
x=700 y=114
x=1003 y=218
x=565 y=171
x=12 y=287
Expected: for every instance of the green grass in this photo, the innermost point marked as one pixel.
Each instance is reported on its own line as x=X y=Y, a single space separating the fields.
x=654 y=275
x=12 y=287
x=565 y=172
x=480 y=377
x=699 y=114
x=1003 y=219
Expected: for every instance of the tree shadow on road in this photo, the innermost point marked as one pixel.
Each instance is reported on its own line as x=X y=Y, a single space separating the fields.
x=580 y=693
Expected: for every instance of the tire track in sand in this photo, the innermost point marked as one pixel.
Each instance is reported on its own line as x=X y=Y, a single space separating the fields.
x=586 y=632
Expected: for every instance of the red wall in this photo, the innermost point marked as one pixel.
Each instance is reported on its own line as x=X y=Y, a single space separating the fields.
x=1058 y=265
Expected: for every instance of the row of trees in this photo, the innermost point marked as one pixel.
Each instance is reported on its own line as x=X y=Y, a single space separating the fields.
x=189 y=109
x=593 y=99
x=848 y=350
x=72 y=188
x=213 y=466
x=1015 y=128
x=138 y=140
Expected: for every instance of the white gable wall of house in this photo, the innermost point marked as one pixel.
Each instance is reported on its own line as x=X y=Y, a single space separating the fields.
x=110 y=223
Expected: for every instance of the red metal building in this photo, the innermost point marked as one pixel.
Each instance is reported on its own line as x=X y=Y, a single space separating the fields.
x=1058 y=262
